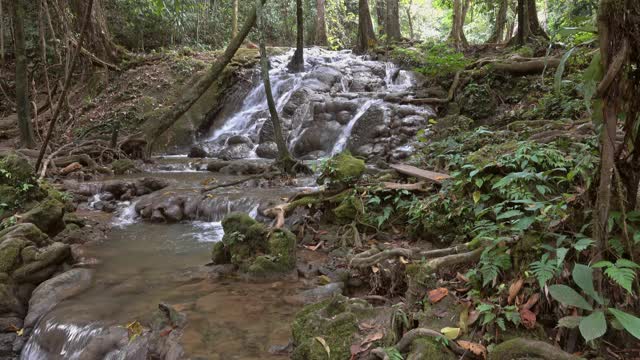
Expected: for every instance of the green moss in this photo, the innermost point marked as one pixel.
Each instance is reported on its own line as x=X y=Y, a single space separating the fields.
x=342 y=169
x=346 y=211
x=10 y=253
x=450 y=125
x=237 y=222
x=490 y=152
x=15 y=170
x=47 y=216
x=478 y=101
x=122 y=166
x=219 y=254
x=429 y=348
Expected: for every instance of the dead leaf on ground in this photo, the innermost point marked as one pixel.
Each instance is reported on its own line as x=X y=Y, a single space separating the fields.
x=528 y=318
x=403 y=260
x=473 y=317
x=438 y=294
x=532 y=301
x=375 y=269
x=365 y=326
x=314 y=247
x=462 y=277
x=474 y=348
x=514 y=289
x=323 y=342
x=375 y=336
x=450 y=333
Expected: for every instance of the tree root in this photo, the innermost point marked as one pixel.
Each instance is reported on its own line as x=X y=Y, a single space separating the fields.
x=449 y=255
x=407 y=339
x=521 y=348
x=433 y=101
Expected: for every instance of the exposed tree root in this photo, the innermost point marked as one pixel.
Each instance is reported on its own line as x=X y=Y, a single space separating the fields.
x=440 y=257
x=434 y=101
x=407 y=339
x=523 y=348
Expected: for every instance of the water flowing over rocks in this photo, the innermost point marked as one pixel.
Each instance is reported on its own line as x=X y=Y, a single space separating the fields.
x=341 y=102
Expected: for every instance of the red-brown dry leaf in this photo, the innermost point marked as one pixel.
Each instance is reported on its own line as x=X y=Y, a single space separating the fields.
x=462 y=277
x=514 y=289
x=372 y=337
x=474 y=348
x=532 y=301
x=438 y=294
x=528 y=318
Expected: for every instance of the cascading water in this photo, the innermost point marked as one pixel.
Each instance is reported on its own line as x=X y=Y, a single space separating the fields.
x=341 y=143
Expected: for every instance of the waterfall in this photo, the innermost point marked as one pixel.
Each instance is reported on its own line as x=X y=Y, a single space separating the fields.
x=341 y=143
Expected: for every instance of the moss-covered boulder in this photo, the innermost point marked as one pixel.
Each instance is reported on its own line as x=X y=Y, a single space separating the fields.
x=478 y=101
x=342 y=169
x=336 y=321
x=254 y=249
x=122 y=166
x=18 y=185
x=15 y=169
x=47 y=216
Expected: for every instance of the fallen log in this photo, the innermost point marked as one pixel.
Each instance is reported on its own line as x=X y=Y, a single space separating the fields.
x=532 y=67
x=409 y=170
x=419 y=186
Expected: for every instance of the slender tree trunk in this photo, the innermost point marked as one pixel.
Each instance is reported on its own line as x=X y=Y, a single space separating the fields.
x=501 y=20
x=284 y=157
x=456 y=37
x=366 y=35
x=234 y=20
x=523 y=31
x=534 y=23
x=1 y=33
x=381 y=14
x=297 y=62
x=22 y=77
x=393 y=21
x=321 y=25
x=195 y=92
x=410 y=19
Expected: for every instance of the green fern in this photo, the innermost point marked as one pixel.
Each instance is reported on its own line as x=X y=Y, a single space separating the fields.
x=544 y=270
x=623 y=272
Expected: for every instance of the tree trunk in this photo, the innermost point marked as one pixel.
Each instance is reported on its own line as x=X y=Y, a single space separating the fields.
x=392 y=21
x=321 y=25
x=456 y=37
x=284 y=157
x=99 y=41
x=534 y=24
x=501 y=21
x=381 y=14
x=1 y=33
x=366 y=35
x=297 y=62
x=22 y=77
x=234 y=20
x=195 y=92
x=410 y=20
x=523 y=28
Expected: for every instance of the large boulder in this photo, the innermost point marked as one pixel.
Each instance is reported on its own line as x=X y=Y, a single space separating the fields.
x=342 y=169
x=47 y=216
x=55 y=290
x=42 y=263
x=250 y=246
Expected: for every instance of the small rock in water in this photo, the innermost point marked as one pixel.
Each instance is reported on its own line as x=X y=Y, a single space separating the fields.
x=198 y=152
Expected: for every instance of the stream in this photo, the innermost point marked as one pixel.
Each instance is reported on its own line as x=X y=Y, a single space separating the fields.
x=337 y=104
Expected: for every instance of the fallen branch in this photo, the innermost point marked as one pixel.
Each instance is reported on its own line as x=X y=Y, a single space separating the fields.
x=420 y=186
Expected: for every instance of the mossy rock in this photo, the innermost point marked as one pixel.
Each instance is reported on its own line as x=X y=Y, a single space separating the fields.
x=15 y=169
x=219 y=254
x=122 y=166
x=281 y=255
x=342 y=169
x=9 y=198
x=10 y=250
x=478 y=101
x=26 y=231
x=429 y=348
x=47 y=216
x=336 y=322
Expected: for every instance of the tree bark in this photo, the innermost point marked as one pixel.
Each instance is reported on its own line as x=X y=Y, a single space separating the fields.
x=22 y=77
x=99 y=41
x=1 y=33
x=501 y=21
x=67 y=83
x=534 y=24
x=297 y=62
x=366 y=35
x=321 y=25
x=456 y=37
x=234 y=20
x=284 y=157
x=381 y=14
x=195 y=92
x=410 y=20
x=523 y=29
x=392 y=21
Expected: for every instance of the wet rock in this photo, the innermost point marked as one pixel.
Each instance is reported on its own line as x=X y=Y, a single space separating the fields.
x=44 y=264
x=366 y=129
x=235 y=152
x=321 y=293
x=10 y=253
x=343 y=117
x=267 y=150
x=106 y=206
x=197 y=152
x=26 y=231
x=239 y=139
x=9 y=302
x=6 y=345
x=47 y=216
x=55 y=290
x=321 y=137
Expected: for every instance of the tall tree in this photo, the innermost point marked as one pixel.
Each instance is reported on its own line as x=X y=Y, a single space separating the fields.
x=297 y=61
x=381 y=14
x=321 y=24
x=456 y=36
x=22 y=77
x=285 y=159
x=234 y=20
x=410 y=20
x=497 y=36
x=196 y=91
x=528 y=23
x=366 y=35
x=534 y=24
x=392 y=21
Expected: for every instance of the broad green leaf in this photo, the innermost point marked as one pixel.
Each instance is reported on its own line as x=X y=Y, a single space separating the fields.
x=627 y=263
x=628 y=321
x=561 y=253
x=568 y=296
x=593 y=326
x=450 y=333
x=570 y=322
x=476 y=197
x=524 y=223
x=583 y=277
x=601 y=264
x=583 y=244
